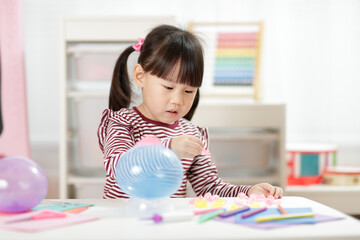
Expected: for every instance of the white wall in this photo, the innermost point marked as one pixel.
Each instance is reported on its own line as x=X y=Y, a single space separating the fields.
x=311 y=58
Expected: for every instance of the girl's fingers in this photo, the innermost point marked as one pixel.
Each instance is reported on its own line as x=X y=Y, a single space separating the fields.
x=196 y=140
x=195 y=146
x=269 y=188
x=281 y=192
x=278 y=192
x=273 y=191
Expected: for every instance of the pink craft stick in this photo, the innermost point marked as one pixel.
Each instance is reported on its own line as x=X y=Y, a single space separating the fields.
x=44 y=214
x=251 y=213
x=199 y=212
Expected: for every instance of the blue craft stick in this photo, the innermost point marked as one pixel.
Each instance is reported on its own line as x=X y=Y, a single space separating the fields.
x=233 y=212
x=251 y=213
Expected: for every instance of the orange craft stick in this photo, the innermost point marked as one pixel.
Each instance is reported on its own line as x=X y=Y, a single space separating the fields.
x=282 y=210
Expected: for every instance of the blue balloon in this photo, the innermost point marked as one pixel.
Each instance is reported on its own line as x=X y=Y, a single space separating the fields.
x=149 y=172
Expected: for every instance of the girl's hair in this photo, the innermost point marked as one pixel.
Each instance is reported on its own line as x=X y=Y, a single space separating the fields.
x=164 y=48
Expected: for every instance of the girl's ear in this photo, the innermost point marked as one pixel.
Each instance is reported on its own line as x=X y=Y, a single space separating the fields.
x=138 y=75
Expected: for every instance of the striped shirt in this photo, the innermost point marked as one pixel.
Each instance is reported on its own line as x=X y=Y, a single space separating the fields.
x=120 y=130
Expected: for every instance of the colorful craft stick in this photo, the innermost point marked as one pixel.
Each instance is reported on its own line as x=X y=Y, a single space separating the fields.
x=199 y=212
x=233 y=212
x=281 y=209
x=284 y=216
x=251 y=213
x=205 y=217
x=41 y=215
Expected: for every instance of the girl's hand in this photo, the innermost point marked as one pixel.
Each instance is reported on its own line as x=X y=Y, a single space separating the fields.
x=267 y=190
x=186 y=146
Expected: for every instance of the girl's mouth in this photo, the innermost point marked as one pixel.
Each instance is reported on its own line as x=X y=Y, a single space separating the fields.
x=172 y=112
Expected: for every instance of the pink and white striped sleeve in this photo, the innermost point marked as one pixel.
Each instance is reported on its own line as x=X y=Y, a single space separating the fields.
x=115 y=138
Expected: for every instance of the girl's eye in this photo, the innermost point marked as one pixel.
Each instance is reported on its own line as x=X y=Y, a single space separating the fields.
x=167 y=87
x=189 y=91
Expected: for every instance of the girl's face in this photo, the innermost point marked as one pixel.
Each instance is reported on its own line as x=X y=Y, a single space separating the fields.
x=164 y=100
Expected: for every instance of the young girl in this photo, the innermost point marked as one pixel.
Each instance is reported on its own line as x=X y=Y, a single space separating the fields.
x=169 y=73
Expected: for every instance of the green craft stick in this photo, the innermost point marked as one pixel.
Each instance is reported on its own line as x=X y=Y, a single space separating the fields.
x=205 y=217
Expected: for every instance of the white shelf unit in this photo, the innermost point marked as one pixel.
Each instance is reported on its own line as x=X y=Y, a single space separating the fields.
x=250 y=136
x=83 y=100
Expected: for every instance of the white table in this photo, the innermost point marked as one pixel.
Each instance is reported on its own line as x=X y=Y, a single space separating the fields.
x=113 y=224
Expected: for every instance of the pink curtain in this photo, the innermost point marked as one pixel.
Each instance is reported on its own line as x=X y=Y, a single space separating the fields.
x=14 y=138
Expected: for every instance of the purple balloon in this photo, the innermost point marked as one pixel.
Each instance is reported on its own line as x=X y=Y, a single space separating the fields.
x=23 y=184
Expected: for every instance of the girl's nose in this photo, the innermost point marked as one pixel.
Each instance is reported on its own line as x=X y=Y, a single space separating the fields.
x=177 y=99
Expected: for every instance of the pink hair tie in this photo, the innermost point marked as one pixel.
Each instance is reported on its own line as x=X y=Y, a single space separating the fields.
x=138 y=46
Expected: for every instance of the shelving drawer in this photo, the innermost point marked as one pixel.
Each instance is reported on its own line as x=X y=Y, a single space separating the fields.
x=93 y=61
x=84 y=123
x=241 y=153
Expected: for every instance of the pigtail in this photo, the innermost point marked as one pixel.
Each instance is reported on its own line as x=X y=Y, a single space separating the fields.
x=120 y=91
